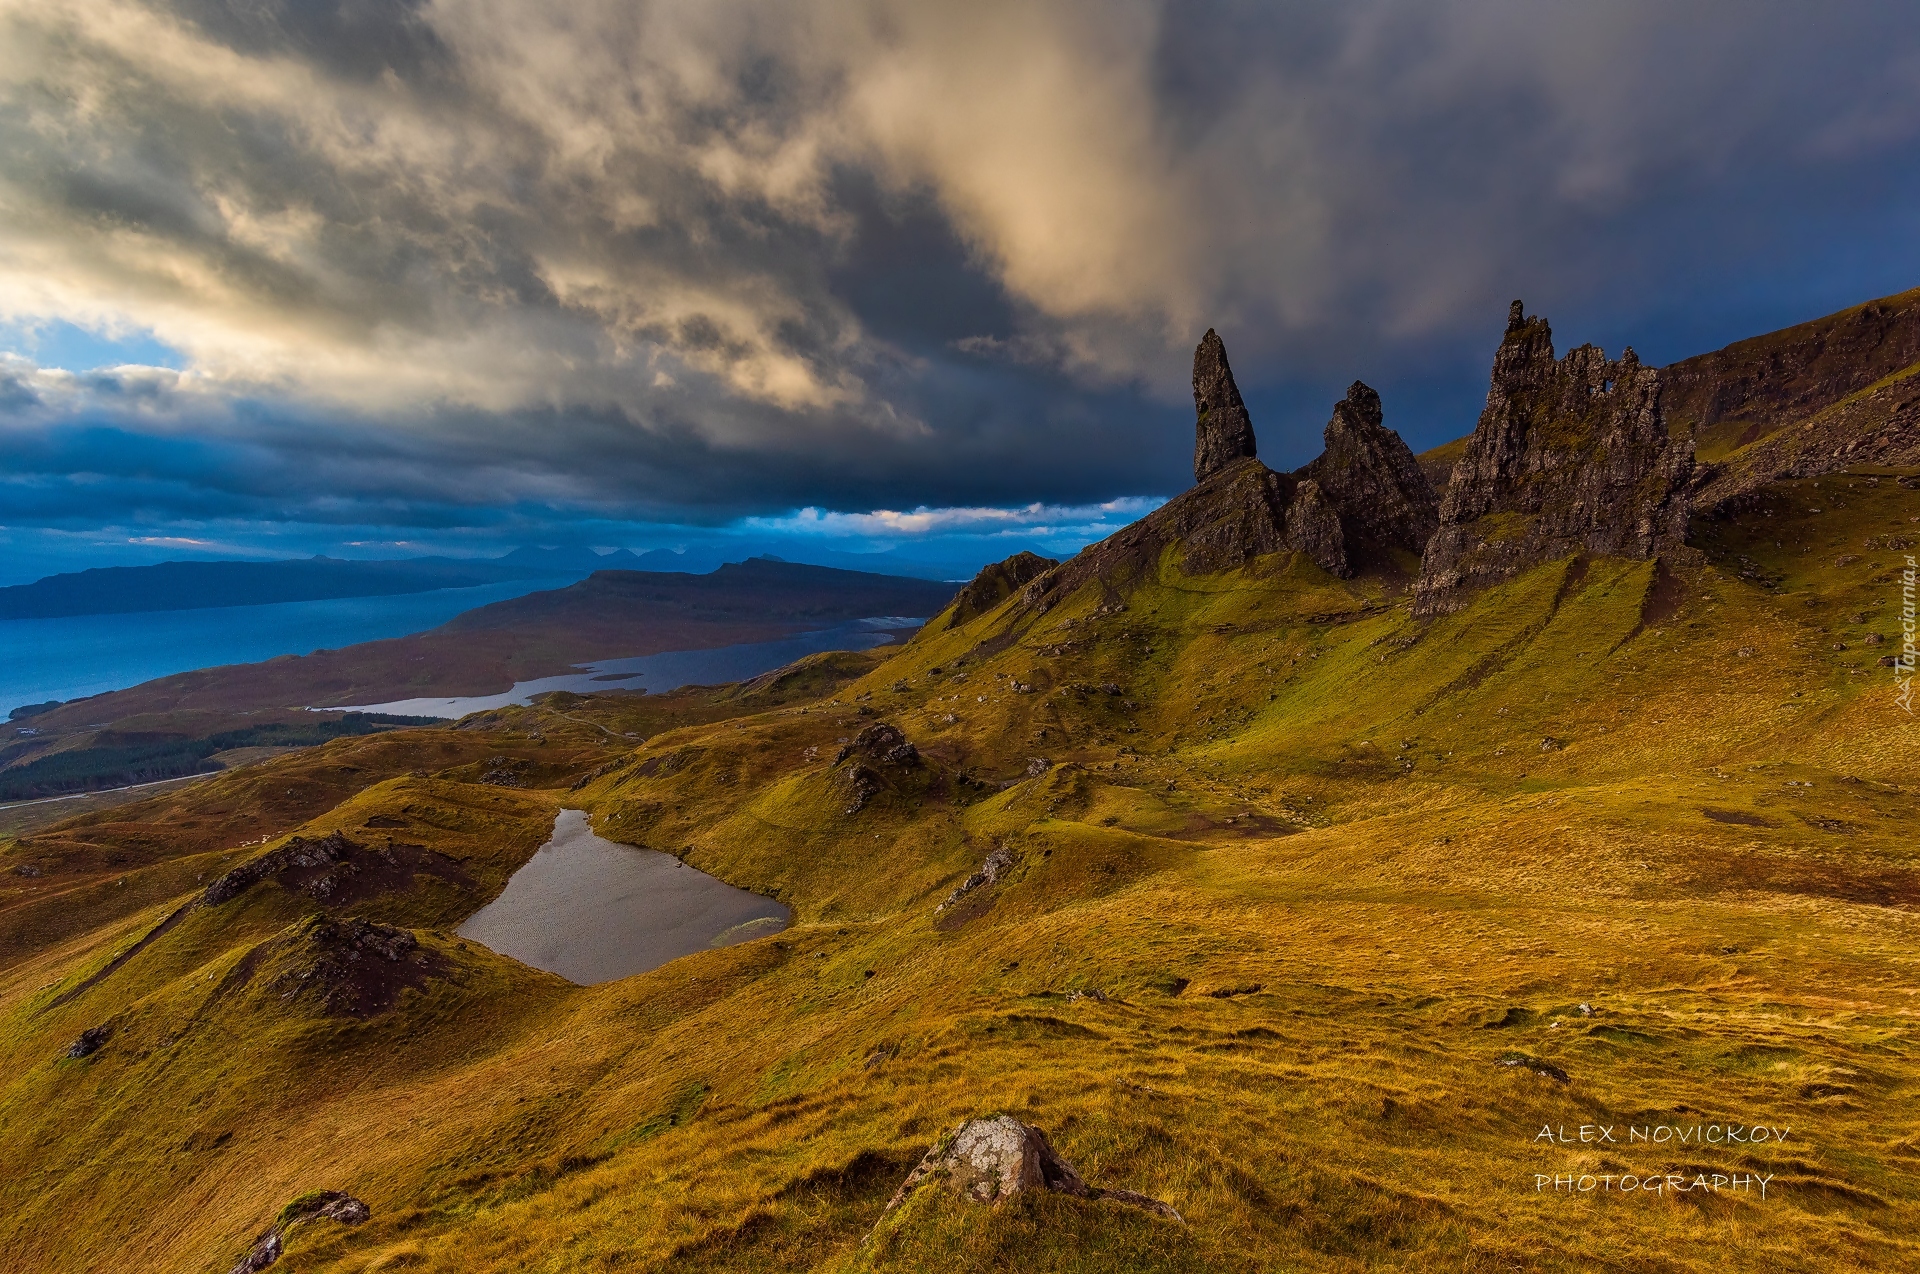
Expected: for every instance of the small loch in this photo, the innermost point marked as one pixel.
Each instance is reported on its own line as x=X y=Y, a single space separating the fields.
x=591 y=910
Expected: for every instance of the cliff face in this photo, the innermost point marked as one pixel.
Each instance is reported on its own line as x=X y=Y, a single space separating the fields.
x=1385 y=501
x=1570 y=456
x=1758 y=385
x=1839 y=391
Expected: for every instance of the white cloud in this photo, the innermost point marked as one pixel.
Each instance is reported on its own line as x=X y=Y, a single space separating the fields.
x=885 y=524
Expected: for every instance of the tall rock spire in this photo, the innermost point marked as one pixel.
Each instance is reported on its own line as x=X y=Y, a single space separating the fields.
x=1223 y=432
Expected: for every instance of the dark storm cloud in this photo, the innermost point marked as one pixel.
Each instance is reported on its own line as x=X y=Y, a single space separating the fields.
x=694 y=261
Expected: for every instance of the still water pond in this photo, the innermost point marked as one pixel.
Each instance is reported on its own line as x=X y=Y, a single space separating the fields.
x=592 y=911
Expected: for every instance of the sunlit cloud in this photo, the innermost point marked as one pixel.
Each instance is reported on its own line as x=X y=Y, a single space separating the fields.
x=1032 y=519
x=394 y=266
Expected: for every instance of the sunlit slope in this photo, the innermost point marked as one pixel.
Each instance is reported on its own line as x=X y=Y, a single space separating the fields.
x=1345 y=881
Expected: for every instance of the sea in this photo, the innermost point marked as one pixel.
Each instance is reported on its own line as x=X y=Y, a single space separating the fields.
x=70 y=658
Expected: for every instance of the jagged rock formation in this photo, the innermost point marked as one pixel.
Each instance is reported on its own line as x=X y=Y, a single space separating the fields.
x=327 y=1205
x=1837 y=392
x=1223 y=432
x=1385 y=501
x=1243 y=512
x=990 y=1160
x=994 y=584
x=1237 y=510
x=1570 y=456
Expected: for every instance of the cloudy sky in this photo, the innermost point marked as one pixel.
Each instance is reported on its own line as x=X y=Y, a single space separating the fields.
x=381 y=276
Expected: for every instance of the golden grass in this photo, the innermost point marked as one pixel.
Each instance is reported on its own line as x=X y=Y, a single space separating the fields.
x=1344 y=879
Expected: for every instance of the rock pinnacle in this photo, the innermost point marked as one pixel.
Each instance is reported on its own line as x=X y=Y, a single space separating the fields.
x=1223 y=433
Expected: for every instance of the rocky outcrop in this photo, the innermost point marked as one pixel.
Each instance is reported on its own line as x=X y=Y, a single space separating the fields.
x=872 y=761
x=882 y=743
x=301 y=851
x=994 y=584
x=1570 y=456
x=505 y=771
x=1239 y=509
x=992 y=1159
x=1223 y=432
x=1243 y=512
x=1384 y=500
x=351 y=968
x=336 y=871
x=998 y=864
x=90 y=1042
x=321 y=1205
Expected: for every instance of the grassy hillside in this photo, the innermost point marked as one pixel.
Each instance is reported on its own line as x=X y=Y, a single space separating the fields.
x=1368 y=904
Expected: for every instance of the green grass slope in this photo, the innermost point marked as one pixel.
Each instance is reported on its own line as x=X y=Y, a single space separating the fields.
x=1369 y=903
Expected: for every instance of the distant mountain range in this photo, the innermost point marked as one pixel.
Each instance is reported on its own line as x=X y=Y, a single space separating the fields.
x=122 y=590
x=125 y=590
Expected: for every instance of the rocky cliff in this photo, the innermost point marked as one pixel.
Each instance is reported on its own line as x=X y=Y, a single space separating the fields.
x=1814 y=398
x=1764 y=382
x=1385 y=501
x=1570 y=456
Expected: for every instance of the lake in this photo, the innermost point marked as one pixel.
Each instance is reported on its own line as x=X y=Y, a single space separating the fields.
x=70 y=658
x=592 y=910
x=669 y=670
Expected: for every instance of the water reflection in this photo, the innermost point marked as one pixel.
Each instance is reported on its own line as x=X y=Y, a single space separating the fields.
x=591 y=910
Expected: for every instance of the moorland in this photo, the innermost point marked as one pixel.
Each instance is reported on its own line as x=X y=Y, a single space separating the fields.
x=1341 y=891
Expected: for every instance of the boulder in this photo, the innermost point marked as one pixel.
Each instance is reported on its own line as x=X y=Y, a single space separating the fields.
x=989 y=1160
x=1384 y=500
x=1570 y=456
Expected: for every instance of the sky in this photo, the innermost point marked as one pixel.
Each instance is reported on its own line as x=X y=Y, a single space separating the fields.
x=386 y=277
